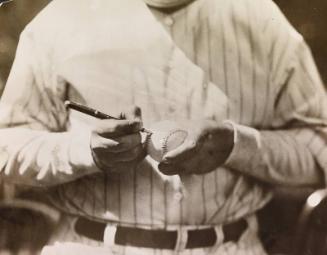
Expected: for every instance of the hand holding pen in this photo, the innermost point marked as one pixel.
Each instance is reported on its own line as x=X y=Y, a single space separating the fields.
x=116 y=143
x=96 y=114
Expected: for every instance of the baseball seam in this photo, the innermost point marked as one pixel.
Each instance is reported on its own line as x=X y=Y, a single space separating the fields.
x=165 y=141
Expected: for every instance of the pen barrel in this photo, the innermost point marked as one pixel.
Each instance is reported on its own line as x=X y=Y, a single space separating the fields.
x=89 y=111
x=94 y=113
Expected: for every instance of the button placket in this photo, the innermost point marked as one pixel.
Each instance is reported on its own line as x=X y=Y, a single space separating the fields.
x=169 y=21
x=178 y=196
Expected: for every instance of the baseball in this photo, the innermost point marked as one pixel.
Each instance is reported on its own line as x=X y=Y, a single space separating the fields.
x=166 y=136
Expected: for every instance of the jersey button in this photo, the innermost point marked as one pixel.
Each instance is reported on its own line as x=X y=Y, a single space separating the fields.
x=169 y=21
x=178 y=196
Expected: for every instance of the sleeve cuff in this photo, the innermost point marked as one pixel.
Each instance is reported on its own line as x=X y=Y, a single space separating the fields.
x=247 y=143
x=80 y=152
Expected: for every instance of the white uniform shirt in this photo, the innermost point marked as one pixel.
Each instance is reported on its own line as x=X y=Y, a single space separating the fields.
x=109 y=57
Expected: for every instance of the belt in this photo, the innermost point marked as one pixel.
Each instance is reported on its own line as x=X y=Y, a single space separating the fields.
x=159 y=239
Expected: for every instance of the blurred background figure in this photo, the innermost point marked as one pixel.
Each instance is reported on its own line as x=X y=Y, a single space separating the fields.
x=24 y=227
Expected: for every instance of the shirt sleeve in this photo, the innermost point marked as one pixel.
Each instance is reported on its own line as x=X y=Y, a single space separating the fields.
x=35 y=148
x=293 y=151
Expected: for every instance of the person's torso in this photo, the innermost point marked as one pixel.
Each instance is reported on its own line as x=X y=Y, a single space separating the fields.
x=219 y=37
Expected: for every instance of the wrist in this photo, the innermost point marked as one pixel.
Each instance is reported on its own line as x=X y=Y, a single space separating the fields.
x=230 y=137
x=80 y=151
x=231 y=130
x=247 y=143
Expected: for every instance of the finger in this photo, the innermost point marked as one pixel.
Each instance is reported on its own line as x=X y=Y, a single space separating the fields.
x=204 y=161
x=193 y=165
x=170 y=169
x=98 y=141
x=114 y=128
x=111 y=159
x=133 y=113
x=131 y=155
x=118 y=144
x=128 y=142
x=198 y=164
x=185 y=151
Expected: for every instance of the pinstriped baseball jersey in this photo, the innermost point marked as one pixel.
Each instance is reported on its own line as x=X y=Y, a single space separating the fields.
x=235 y=60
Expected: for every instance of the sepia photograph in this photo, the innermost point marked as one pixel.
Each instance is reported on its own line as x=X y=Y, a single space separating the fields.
x=163 y=127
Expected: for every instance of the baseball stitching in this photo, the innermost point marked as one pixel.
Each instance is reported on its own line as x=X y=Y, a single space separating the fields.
x=165 y=141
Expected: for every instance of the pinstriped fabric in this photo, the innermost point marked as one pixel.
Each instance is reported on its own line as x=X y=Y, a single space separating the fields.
x=244 y=48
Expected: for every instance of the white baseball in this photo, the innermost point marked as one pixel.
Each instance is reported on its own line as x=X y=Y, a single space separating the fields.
x=166 y=136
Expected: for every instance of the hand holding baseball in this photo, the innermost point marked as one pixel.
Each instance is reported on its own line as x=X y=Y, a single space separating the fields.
x=202 y=147
x=116 y=144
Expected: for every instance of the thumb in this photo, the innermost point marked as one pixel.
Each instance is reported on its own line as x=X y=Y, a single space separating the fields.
x=132 y=113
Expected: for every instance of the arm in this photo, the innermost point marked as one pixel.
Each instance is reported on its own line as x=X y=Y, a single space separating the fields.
x=293 y=151
x=35 y=147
